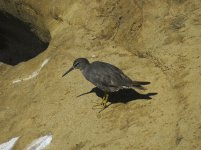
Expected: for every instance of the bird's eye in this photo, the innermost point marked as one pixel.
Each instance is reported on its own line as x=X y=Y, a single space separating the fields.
x=76 y=64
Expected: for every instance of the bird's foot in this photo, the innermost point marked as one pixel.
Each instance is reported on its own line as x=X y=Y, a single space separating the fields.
x=104 y=104
x=104 y=107
x=97 y=106
x=101 y=104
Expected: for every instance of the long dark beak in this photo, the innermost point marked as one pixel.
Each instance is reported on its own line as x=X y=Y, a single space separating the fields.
x=67 y=71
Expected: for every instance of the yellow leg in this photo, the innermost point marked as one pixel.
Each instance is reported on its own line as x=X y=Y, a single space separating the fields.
x=103 y=103
x=105 y=100
x=99 y=103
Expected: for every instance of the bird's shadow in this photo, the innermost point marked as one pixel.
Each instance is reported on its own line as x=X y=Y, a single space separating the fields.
x=122 y=96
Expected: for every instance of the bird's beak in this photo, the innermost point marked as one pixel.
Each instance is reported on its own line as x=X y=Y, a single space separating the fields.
x=67 y=71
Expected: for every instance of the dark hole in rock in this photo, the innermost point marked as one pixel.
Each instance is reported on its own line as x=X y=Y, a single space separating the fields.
x=17 y=42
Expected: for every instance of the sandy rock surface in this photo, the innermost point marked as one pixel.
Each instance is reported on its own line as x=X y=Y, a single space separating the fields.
x=157 y=41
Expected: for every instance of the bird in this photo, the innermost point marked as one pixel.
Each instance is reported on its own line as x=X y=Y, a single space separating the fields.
x=106 y=77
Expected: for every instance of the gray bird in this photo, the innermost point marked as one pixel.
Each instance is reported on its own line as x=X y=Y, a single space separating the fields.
x=106 y=77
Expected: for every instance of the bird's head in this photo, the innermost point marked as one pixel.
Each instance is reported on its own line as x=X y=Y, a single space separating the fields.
x=79 y=63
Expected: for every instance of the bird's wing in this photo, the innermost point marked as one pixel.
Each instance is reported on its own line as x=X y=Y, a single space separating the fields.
x=105 y=74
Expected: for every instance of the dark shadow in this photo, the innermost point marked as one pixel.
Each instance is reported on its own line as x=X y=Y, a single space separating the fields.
x=17 y=42
x=122 y=96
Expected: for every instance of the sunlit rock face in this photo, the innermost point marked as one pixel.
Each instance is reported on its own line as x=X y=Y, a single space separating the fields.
x=156 y=41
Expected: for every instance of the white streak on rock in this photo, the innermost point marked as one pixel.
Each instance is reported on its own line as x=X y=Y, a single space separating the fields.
x=34 y=74
x=40 y=143
x=9 y=145
x=16 y=81
x=44 y=63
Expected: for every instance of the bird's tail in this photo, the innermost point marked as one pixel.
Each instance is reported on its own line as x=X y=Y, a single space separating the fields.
x=138 y=85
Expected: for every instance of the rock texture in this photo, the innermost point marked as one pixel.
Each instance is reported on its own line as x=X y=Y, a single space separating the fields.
x=157 y=41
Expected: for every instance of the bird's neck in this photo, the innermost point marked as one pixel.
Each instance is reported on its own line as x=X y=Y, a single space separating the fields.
x=84 y=67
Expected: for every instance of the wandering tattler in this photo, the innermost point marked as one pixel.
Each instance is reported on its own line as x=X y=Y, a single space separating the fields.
x=106 y=77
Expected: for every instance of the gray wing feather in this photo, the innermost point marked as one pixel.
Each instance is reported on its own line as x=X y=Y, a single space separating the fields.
x=106 y=75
